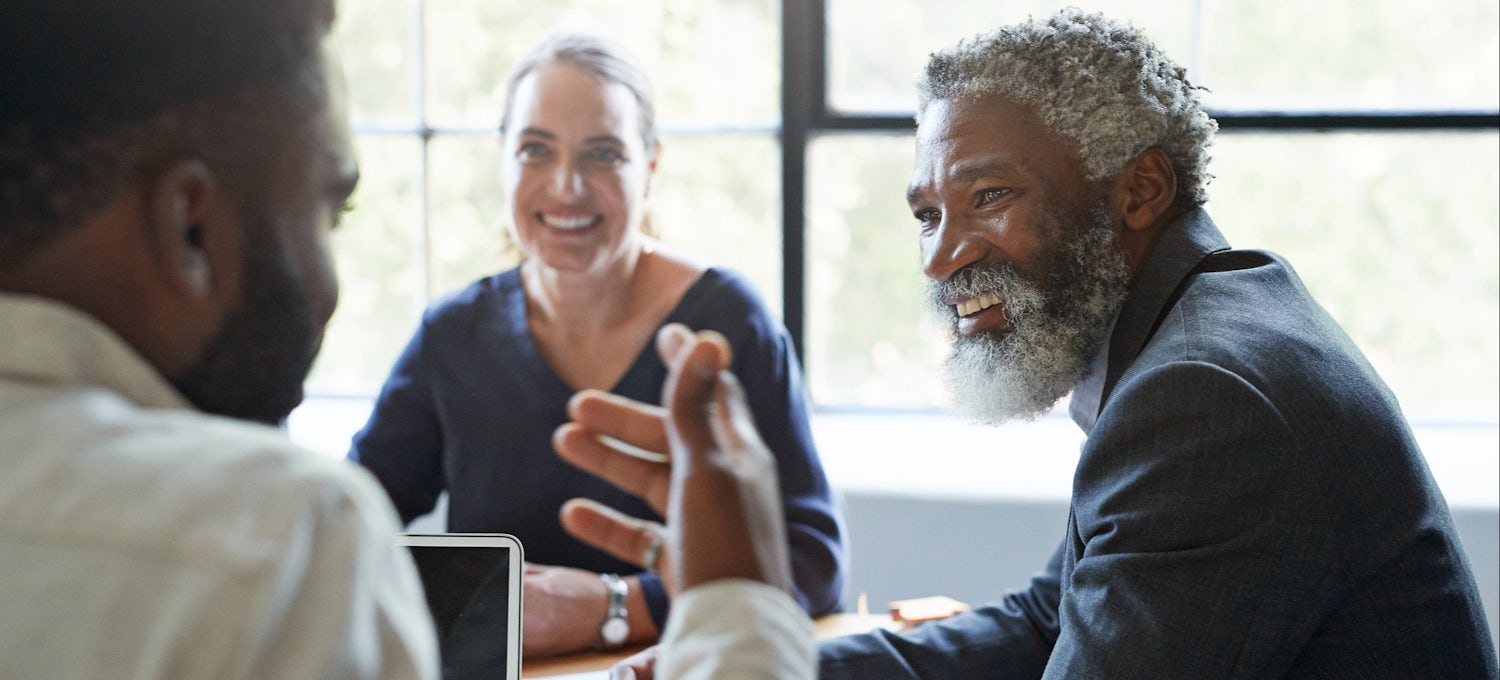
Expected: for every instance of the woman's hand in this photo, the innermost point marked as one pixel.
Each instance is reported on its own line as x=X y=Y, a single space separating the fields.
x=717 y=486
x=562 y=608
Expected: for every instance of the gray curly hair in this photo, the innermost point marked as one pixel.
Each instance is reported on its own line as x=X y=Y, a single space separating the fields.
x=1097 y=82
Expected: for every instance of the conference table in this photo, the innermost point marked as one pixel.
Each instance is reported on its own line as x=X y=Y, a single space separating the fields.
x=829 y=626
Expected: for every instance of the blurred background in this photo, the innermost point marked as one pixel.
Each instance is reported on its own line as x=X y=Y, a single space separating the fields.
x=1360 y=140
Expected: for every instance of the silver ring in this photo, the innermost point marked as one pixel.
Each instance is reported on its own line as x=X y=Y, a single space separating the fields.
x=653 y=552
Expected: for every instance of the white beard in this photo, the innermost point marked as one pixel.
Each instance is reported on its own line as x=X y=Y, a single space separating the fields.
x=1056 y=326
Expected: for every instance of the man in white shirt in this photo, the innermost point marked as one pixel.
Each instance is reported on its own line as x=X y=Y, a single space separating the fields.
x=169 y=170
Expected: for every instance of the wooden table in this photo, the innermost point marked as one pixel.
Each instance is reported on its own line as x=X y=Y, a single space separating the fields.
x=829 y=626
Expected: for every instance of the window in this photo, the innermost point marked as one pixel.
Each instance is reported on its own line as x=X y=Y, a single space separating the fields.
x=1360 y=140
x=426 y=80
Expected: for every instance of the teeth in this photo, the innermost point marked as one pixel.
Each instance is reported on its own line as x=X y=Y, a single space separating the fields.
x=567 y=222
x=976 y=305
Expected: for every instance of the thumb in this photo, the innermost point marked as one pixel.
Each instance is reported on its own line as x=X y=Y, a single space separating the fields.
x=690 y=397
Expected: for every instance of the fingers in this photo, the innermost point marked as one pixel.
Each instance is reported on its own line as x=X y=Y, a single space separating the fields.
x=628 y=538
x=736 y=422
x=638 y=666
x=624 y=419
x=690 y=395
x=646 y=479
x=674 y=337
x=670 y=339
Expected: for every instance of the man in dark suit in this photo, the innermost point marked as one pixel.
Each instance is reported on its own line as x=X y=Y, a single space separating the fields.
x=1250 y=501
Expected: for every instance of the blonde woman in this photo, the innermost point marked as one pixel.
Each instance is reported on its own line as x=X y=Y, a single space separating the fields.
x=471 y=405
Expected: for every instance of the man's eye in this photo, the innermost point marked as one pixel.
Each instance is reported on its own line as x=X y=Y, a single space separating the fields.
x=987 y=196
x=928 y=216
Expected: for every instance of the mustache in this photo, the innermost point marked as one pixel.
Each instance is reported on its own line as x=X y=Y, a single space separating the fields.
x=1019 y=294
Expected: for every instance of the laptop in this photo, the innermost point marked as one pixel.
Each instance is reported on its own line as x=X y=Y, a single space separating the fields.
x=473 y=588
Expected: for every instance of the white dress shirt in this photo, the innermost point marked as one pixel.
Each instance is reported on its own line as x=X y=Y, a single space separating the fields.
x=140 y=538
x=736 y=628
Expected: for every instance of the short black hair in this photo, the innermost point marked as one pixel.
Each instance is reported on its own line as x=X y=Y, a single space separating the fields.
x=93 y=91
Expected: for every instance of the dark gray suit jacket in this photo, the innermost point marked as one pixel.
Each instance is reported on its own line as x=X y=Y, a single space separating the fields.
x=1250 y=503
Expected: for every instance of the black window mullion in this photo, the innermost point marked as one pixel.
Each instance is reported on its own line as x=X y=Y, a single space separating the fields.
x=803 y=75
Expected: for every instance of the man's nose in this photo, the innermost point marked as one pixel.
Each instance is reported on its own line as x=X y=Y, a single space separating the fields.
x=952 y=246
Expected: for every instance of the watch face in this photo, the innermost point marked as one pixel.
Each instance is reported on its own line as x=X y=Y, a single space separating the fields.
x=614 y=631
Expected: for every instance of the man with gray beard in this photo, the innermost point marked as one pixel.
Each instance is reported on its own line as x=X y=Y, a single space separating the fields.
x=1054 y=325
x=1249 y=501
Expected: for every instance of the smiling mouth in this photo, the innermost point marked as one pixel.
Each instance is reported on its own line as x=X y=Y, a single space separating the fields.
x=976 y=305
x=568 y=223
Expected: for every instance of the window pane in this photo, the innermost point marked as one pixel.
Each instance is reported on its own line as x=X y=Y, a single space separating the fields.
x=1254 y=55
x=870 y=341
x=719 y=198
x=712 y=63
x=467 y=230
x=1398 y=236
x=1352 y=53
x=874 y=56
x=380 y=276
x=376 y=41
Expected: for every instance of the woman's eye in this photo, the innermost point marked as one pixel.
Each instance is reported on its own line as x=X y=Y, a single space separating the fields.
x=532 y=150
x=606 y=155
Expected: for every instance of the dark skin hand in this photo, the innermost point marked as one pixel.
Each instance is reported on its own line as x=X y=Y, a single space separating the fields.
x=716 y=484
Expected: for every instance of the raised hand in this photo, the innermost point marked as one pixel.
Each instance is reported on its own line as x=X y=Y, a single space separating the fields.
x=716 y=486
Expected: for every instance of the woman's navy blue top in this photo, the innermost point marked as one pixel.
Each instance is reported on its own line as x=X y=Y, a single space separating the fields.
x=471 y=405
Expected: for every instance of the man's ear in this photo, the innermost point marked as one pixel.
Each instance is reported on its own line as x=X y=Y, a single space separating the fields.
x=186 y=219
x=1146 y=189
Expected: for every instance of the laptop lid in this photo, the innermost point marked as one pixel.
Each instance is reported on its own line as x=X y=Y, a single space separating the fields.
x=473 y=588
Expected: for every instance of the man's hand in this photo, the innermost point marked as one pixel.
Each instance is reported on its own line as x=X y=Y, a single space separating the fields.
x=638 y=666
x=717 y=487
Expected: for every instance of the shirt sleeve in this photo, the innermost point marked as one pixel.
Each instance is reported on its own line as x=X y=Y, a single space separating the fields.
x=346 y=601
x=736 y=628
x=767 y=366
x=402 y=443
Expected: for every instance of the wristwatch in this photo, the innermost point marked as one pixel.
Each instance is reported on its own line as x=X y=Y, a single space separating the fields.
x=616 y=628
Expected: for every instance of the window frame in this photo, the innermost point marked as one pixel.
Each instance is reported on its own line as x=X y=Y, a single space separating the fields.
x=806 y=114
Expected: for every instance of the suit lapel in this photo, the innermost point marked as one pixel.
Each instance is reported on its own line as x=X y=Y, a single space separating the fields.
x=1181 y=248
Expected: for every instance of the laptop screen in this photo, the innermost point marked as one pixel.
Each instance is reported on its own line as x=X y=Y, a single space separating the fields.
x=472 y=583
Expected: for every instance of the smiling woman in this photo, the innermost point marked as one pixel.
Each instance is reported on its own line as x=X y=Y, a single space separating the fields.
x=472 y=403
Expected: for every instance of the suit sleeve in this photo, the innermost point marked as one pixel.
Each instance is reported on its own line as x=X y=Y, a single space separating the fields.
x=402 y=443
x=1201 y=535
x=1010 y=639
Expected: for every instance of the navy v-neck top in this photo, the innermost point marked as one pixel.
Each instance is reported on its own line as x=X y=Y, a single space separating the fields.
x=471 y=405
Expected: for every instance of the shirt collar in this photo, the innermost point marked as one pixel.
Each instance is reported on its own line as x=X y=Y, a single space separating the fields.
x=46 y=342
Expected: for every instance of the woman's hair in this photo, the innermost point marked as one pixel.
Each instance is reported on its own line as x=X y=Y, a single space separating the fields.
x=1097 y=82
x=595 y=55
